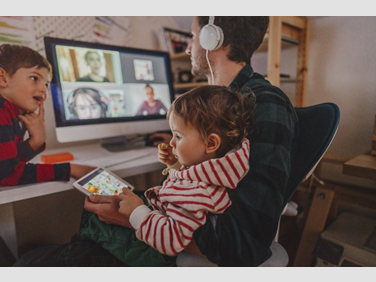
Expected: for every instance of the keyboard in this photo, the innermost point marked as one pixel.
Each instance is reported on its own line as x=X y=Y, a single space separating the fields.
x=118 y=158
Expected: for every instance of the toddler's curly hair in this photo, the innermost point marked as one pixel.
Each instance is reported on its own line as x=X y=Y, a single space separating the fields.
x=216 y=109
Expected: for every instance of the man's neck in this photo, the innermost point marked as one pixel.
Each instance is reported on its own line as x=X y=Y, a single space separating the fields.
x=225 y=72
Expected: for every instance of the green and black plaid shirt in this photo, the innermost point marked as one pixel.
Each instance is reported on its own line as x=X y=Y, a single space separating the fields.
x=242 y=235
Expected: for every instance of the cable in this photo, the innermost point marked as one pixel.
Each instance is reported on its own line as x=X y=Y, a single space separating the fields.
x=211 y=70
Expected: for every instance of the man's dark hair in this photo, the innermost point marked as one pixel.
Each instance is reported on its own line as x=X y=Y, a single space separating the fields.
x=14 y=57
x=243 y=34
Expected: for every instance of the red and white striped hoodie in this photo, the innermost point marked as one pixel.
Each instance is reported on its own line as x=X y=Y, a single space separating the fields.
x=182 y=203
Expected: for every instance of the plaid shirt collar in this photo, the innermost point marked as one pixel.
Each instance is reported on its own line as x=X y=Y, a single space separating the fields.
x=243 y=76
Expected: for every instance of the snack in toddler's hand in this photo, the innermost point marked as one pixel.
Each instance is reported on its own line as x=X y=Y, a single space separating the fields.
x=164 y=146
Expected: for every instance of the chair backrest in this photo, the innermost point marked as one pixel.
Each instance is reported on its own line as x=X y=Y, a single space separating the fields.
x=317 y=127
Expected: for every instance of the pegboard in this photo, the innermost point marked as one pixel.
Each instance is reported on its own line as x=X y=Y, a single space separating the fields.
x=79 y=28
x=30 y=31
x=108 y=30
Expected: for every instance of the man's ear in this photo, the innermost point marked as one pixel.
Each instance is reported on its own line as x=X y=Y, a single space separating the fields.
x=3 y=78
x=213 y=143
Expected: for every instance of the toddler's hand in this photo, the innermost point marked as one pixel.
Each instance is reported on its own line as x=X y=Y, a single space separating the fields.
x=35 y=125
x=165 y=155
x=128 y=202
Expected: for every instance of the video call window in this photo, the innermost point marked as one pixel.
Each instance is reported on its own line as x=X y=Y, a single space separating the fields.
x=143 y=69
x=88 y=65
x=102 y=84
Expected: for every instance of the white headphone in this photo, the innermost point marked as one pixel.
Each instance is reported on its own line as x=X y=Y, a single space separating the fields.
x=211 y=36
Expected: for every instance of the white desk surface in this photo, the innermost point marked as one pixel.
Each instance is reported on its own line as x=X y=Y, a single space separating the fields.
x=82 y=155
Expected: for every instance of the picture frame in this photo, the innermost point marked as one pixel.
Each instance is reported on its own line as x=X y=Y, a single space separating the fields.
x=174 y=41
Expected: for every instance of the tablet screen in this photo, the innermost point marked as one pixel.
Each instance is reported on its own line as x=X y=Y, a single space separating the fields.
x=102 y=182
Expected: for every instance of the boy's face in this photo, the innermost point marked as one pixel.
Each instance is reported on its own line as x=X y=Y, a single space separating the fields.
x=27 y=88
x=187 y=144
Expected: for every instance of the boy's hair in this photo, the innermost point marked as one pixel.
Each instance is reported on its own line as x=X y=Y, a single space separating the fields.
x=14 y=57
x=243 y=34
x=216 y=109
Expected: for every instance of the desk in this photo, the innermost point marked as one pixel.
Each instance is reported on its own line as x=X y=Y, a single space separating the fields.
x=361 y=166
x=11 y=196
x=82 y=155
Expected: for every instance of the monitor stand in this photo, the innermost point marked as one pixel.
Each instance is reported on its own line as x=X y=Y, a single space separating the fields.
x=124 y=143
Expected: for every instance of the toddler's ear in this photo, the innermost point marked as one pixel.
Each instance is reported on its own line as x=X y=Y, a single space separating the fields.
x=3 y=78
x=213 y=143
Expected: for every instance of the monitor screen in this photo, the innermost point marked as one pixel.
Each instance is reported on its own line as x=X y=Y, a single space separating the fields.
x=101 y=91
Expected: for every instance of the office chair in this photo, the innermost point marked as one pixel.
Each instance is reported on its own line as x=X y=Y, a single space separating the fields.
x=318 y=125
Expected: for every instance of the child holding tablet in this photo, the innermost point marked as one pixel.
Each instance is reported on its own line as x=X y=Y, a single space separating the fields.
x=209 y=155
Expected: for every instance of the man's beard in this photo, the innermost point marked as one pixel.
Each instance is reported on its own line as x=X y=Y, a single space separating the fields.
x=200 y=66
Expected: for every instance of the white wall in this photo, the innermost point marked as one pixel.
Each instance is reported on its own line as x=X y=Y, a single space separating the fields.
x=342 y=69
x=145 y=30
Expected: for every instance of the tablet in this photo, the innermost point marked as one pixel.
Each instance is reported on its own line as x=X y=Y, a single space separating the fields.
x=101 y=182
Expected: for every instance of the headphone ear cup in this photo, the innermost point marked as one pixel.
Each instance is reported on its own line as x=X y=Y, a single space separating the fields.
x=211 y=37
x=221 y=38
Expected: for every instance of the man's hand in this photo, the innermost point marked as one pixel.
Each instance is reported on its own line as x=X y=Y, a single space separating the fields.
x=107 y=209
x=36 y=128
x=128 y=202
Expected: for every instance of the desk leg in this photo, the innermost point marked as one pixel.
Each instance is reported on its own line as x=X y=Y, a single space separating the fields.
x=8 y=228
x=316 y=219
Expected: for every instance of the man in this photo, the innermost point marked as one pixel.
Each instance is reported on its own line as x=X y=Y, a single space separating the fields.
x=242 y=235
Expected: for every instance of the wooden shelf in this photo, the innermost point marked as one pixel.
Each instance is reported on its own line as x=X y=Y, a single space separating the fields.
x=286 y=80
x=361 y=166
x=180 y=56
x=287 y=42
x=291 y=31
x=189 y=85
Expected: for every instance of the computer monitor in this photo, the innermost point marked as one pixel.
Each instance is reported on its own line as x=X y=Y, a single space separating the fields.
x=101 y=91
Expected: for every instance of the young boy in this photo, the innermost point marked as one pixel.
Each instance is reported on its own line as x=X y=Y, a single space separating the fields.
x=24 y=80
x=209 y=125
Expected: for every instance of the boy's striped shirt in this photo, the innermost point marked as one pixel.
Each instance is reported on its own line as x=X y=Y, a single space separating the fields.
x=15 y=153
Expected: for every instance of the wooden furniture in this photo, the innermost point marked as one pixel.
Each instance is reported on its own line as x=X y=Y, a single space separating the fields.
x=327 y=203
x=373 y=148
x=361 y=166
x=289 y=29
x=282 y=32
x=327 y=199
x=82 y=155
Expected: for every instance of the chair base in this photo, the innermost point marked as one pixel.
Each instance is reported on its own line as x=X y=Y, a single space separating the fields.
x=185 y=259
x=279 y=258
